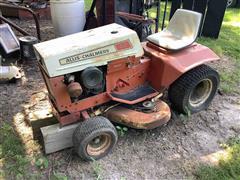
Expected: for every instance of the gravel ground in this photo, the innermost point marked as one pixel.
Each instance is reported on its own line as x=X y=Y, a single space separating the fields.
x=169 y=152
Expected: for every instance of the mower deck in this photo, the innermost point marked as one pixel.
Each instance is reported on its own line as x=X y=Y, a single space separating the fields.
x=160 y=115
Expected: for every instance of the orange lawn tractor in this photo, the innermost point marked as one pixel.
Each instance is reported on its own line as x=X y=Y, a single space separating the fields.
x=106 y=75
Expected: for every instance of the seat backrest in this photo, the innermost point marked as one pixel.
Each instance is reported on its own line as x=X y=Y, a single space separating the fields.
x=185 y=24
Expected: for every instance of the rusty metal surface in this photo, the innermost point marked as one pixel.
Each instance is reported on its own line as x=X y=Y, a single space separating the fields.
x=133 y=101
x=14 y=26
x=126 y=74
x=140 y=120
x=134 y=17
x=133 y=71
x=62 y=100
x=85 y=115
x=167 y=66
x=65 y=119
x=74 y=89
x=156 y=67
x=17 y=27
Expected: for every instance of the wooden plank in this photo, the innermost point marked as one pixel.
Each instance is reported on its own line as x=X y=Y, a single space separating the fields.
x=56 y=138
x=38 y=113
x=38 y=119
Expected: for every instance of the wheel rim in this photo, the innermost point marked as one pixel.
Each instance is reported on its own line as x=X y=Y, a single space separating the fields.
x=99 y=145
x=229 y=2
x=200 y=93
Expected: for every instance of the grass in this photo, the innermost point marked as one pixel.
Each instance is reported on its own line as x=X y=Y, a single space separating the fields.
x=88 y=4
x=15 y=163
x=12 y=154
x=228 y=45
x=229 y=166
x=97 y=170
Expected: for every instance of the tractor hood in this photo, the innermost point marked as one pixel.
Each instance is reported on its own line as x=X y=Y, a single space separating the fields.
x=94 y=47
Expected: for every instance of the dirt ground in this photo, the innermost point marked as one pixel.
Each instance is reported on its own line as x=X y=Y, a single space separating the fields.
x=169 y=152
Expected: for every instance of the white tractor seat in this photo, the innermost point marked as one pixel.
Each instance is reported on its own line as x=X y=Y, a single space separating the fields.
x=181 y=31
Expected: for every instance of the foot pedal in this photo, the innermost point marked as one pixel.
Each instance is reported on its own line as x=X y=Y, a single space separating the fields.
x=137 y=95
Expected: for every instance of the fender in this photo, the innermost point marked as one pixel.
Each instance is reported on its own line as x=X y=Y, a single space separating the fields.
x=166 y=67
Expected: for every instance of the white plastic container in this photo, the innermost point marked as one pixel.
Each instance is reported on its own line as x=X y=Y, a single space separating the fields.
x=68 y=16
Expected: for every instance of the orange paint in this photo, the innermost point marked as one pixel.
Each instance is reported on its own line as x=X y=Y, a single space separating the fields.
x=158 y=67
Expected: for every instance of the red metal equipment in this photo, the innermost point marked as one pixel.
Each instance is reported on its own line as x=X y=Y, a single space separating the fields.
x=106 y=71
x=158 y=67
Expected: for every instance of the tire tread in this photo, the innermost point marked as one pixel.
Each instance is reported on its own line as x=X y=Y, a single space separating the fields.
x=86 y=128
x=177 y=91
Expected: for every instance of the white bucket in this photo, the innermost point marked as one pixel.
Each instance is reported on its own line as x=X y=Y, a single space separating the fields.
x=68 y=16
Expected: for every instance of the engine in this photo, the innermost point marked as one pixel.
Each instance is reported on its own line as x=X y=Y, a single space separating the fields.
x=86 y=83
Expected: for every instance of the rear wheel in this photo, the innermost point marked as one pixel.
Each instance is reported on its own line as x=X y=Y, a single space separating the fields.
x=94 y=138
x=194 y=90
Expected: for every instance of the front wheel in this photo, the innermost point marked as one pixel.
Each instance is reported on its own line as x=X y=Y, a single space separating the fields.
x=94 y=138
x=194 y=90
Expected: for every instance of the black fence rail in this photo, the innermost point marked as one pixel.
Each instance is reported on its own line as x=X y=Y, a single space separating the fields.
x=212 y=11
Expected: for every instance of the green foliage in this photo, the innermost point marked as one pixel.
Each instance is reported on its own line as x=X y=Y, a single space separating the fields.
x=12 y=153
x=121 y=130
x=185 y=117
x=97 y=169
x=123 y=178
x=15 y=162
x=228 y=44
x=41 y=163
x=59 y=176
x=228 y=168
x=88 y=4
x=233 y=141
